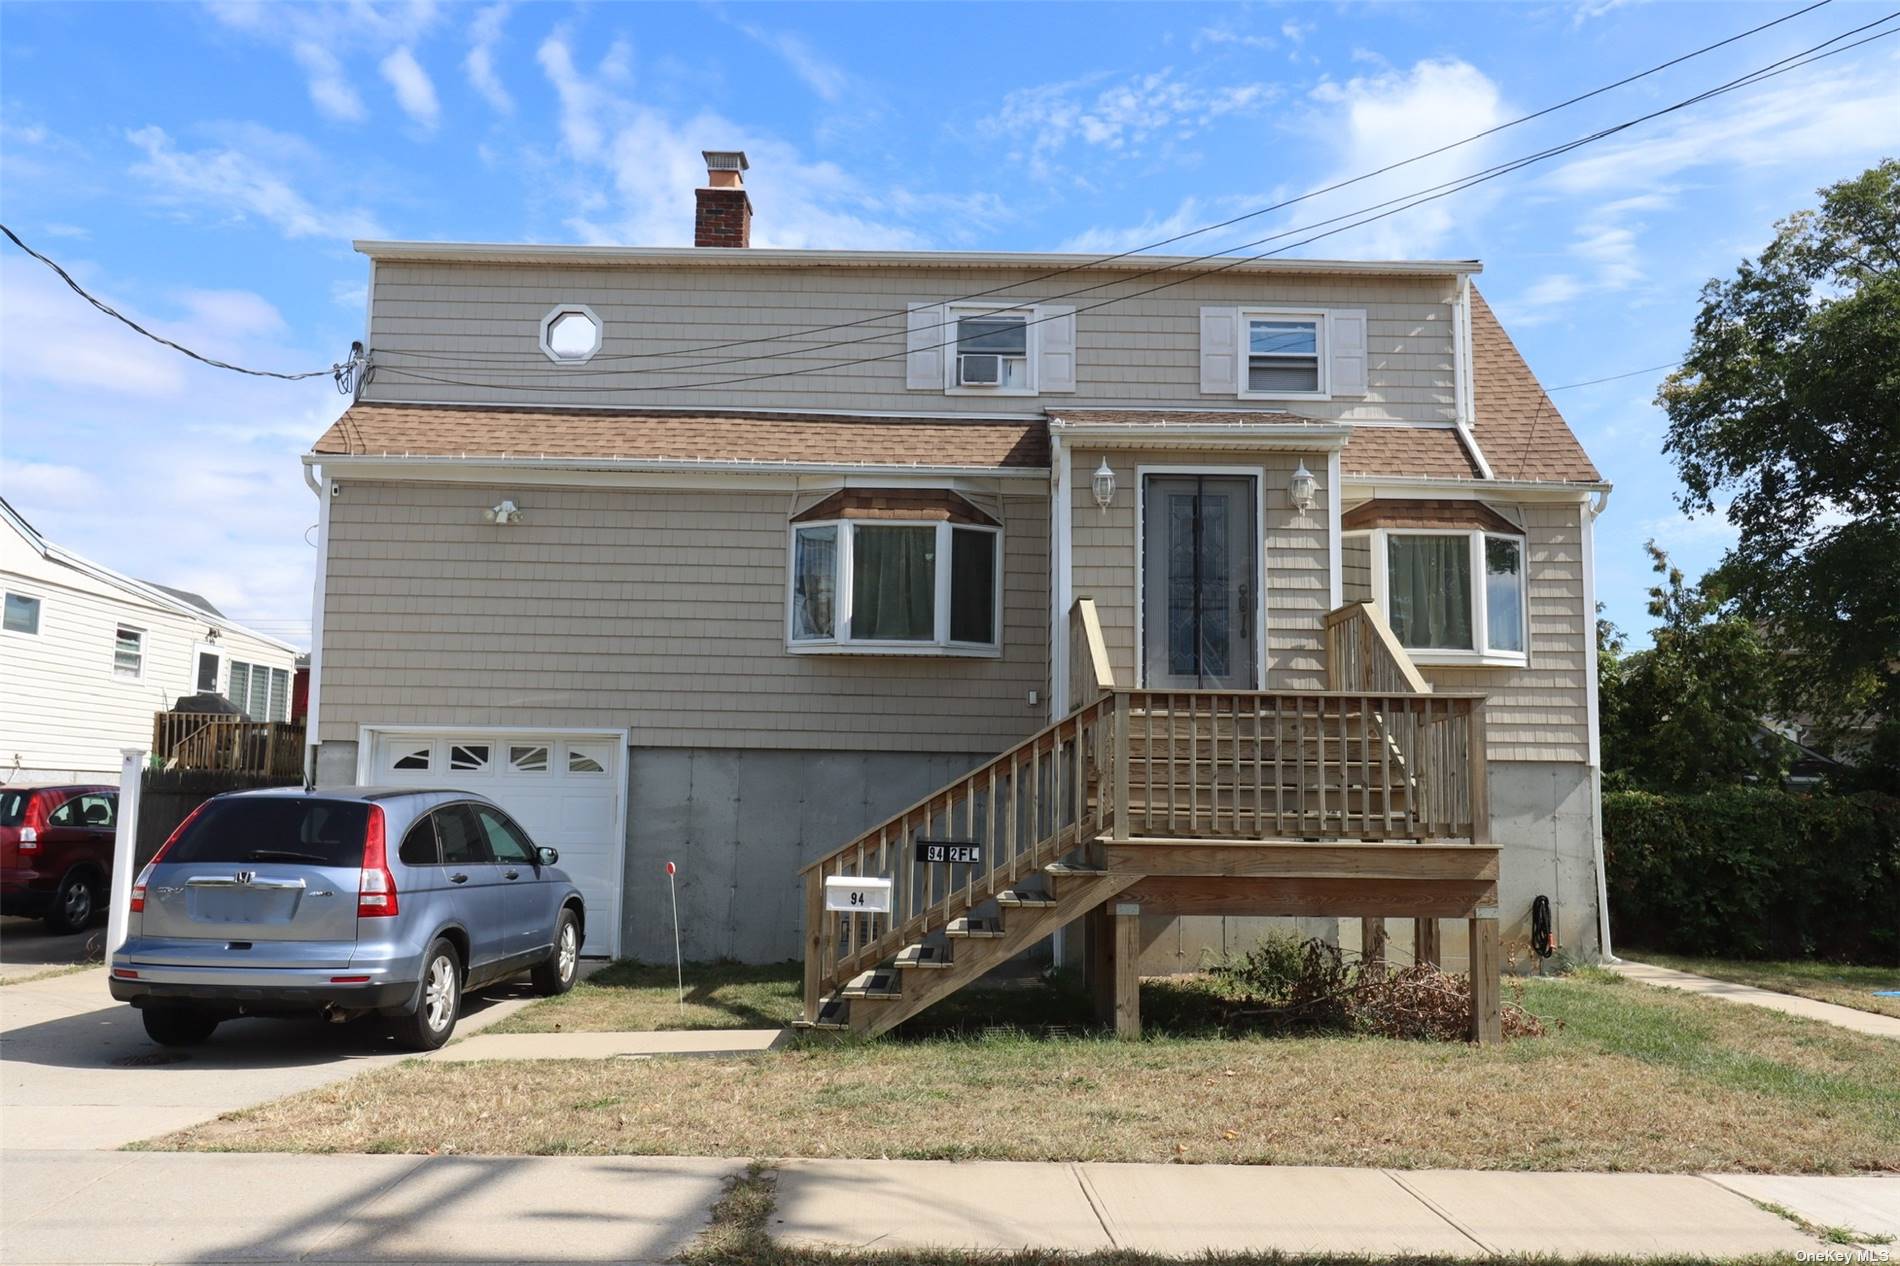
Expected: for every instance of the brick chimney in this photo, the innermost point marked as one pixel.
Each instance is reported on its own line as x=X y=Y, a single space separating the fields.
x=724 y=214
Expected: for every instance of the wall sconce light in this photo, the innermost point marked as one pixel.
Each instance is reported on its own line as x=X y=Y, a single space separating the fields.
x=504 y=514
x=1303 y=488
x=1104 y=485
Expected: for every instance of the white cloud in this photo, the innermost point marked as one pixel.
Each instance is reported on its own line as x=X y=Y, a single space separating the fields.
x=72 y=344
x=230 y=183
x=1381 y=119
x=415 y=91
x=1229 y=36
x=1122 y=118
x=827 y=80
x=349 y=294
x=1297 y=31
x=66 y=230
x=484 y=33
x=1822 y=116
x=49 y=481
x=650 y=163
x=330 y=90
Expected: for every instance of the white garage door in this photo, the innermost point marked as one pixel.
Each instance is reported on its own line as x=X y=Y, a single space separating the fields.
x=565 y=788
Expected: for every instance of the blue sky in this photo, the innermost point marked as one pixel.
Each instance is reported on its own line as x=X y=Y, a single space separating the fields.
x=204 y=167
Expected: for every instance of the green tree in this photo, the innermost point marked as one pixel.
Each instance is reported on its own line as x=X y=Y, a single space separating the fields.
x=1686 y=713
x=1786 y=414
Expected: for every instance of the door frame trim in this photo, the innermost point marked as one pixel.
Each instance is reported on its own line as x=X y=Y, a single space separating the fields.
x=367 y=737
x=1259 y=476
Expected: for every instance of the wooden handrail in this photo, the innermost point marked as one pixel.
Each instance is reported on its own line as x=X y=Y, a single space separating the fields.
x=1363 y=654
x=1090 y=674
x=219 y=740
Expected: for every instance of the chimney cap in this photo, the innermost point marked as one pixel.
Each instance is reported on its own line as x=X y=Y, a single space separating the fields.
x=725 y=159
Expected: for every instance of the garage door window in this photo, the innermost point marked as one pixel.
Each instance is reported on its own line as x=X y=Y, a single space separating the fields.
x=416 y=760
x=528 y=760
x=468 y=756
x=579 y=762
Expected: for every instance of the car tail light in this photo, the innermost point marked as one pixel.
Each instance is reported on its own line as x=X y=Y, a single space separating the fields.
x=145 y=875
x=124 y=973
x=375 y=887
x=29 y=839
x=30 y=826
x=349 y=980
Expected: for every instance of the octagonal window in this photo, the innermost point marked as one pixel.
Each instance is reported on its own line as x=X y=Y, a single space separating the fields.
x=570 y=333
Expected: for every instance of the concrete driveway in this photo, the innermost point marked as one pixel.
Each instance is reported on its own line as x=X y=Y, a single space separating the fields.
x=77 y=1071
x=27 y=949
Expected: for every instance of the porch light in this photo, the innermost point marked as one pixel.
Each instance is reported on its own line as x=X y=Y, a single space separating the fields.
x=1303 y=488
x=1104 y=485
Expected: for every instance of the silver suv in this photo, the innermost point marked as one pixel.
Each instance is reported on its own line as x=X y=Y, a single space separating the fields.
x=344 y=902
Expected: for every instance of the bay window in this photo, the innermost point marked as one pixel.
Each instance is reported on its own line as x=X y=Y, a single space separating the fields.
x=1452 y=596
x=893 y=586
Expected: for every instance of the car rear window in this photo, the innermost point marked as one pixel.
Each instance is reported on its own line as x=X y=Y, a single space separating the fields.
x=13 y=807
x=273 y=829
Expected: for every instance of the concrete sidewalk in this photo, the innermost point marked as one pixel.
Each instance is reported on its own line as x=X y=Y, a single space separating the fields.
x=614 y=1045
x=1846 y=1017
x=97 y=1207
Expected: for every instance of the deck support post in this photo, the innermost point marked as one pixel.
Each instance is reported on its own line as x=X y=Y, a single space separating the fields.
x=1098 y=964
x=1427 y=949
x=1127 y=929
x=814 y=941
x=1487 y=1021
x=1372 y=946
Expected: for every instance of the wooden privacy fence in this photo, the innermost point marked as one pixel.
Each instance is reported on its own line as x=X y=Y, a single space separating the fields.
x=216 y=740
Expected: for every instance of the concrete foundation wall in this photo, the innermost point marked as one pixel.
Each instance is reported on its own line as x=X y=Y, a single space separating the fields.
x=739 y=824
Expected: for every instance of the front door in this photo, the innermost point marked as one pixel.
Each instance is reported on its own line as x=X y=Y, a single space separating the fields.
x=1200 y=582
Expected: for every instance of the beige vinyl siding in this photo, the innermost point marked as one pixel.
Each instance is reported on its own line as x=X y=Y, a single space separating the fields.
x=660 y=611
x=1298 y=586
x=61 y=705
x=1541 y=712
x=486 y=318
x=1355 y=568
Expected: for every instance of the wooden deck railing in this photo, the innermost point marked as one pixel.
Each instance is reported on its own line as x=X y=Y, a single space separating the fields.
x=1024 y=809
x=216 y=740
x=1090 y=676
x=1362 y=653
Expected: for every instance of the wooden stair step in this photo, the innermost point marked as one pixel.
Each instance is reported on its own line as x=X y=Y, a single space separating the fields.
x=834 y=1013
x=879 y=982
x=1026 y=898
x=974 y=926
x=924 y=956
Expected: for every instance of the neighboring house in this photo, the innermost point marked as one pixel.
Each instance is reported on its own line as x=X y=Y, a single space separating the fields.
x=88 y=656
x=599 y=540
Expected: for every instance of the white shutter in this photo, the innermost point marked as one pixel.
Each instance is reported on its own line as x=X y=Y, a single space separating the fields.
x=1346 y=346
x=923 y=361
x=1220 y=351
x=1056 y=329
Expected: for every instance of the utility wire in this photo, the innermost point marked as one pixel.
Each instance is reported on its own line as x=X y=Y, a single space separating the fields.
x=1209 y=228
x=1782 y=66
x=1614 y=377
x=115 y=314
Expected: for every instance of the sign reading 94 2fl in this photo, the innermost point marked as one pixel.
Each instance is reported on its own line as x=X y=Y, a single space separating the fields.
x=958 y=852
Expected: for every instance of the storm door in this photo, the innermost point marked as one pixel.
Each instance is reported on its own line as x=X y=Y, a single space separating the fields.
x=1200 y=582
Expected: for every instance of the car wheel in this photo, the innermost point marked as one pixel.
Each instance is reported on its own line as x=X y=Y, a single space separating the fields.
x=431 y=1020
x=178 y=1026
x=557 y=975
x=73 y=905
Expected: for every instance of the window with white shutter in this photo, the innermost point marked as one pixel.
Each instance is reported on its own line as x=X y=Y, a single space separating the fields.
x=1055 y=325
x=923 y=360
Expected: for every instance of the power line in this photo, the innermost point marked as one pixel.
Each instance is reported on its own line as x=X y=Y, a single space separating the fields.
x=1614 y=377
x=335 y=371
x=1773 y=69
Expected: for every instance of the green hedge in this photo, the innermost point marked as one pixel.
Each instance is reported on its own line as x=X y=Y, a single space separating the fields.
x=1749 y=872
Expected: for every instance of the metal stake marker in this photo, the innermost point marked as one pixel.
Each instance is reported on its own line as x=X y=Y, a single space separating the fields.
x=679 y=965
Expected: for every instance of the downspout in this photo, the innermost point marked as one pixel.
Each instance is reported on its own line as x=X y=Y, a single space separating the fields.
x=1060 y=514
x=320 y=484
x=1591 y=510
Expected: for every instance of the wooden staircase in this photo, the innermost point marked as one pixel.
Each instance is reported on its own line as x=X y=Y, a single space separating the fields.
x=1063 y=820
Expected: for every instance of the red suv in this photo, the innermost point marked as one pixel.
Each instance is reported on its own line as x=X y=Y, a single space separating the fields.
x=56 y=852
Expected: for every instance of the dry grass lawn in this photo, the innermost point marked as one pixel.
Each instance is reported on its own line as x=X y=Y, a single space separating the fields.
x=1635 y=1079
x=1839 y=983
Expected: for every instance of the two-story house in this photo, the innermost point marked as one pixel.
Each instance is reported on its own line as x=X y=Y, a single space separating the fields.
x=724 y=556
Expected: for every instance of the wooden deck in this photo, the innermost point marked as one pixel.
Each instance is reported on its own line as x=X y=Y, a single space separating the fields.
x=1366 y=800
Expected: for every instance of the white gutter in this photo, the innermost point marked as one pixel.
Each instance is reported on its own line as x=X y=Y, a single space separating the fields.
x=1591 y=510
x=1060 y=512
x=1255 y=435
x=725 y=257
x=313 y=713
x=517 y=462
x=1440 y=484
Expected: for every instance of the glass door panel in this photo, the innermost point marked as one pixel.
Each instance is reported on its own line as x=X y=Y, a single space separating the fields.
x=1200 y=581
